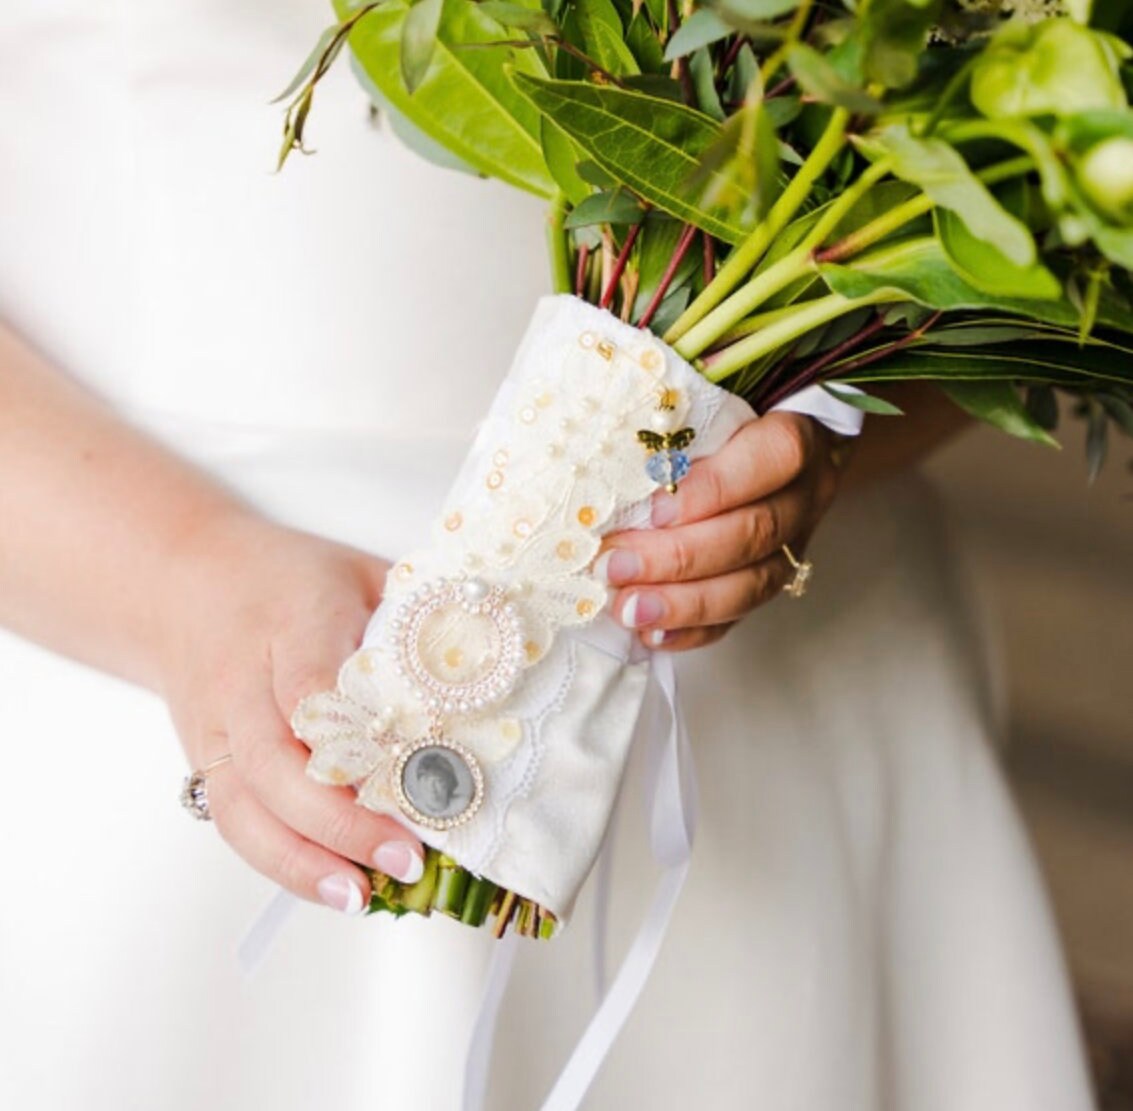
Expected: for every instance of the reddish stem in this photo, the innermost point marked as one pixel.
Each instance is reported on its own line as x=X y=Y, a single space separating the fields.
x=667 y=278
x=619 y=266
x=709 y=258
x=809 y=375
x=730 y=56
x=580 y=269
x=814 y=368
x=683 y=74
x=779 y=89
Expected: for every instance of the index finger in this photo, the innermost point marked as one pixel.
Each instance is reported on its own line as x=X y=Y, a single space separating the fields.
x=763 y=456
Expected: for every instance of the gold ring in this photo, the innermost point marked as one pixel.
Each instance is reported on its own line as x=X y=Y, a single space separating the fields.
x=804 y=572
x=194 y=789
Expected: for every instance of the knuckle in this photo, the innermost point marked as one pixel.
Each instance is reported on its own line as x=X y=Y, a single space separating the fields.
x=338 y=828
x=289 y=864
x=682 y=559
x=697 y=613
x=295 y=683
x=790 y=445
x=717 y=490
x=761 y=531
x=759 y=586
x=253 y=757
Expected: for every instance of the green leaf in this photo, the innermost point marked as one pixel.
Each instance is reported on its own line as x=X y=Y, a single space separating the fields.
x=603 y=37
x=670 y=309
x=592 y=173
x=986 y=268
x=750 y=10
x=1097 y=442
x=617 y=207
x=823 y=82
x=308 y=66
x=516 y=15
x=703 y=72
x=407 y=132
x=1059 y=364
x=701 y=28
x=864 y=401
x=1120 y=412
x=658 y=243
x=893 y=37
x=1051 y=68
x=419 y=40
x=562 y=160
x=1042 y=405
x=646 y=46
x=920 y=270
x=999 y=404
x=739 y=174
x=938 y=169
x=651 y=145
x=466 y=102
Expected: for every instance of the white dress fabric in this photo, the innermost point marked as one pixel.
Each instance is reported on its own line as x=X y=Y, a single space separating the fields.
x=863 y=926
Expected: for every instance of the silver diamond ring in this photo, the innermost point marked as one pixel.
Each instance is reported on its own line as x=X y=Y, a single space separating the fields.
x=194 y=789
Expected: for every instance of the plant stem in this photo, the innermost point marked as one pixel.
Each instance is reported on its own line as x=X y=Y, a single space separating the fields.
x=680 y=65
x=667 y=278
x=729 y=57
x=619 y=265
x=810 y=372
x=477 y=899
x=871 y=233
x=807 y=316
x=798 y=23
x=557 y=245
x=780 y=275
x=903 y=214
x=745 y=256
x=883 y=352
x=580 y=270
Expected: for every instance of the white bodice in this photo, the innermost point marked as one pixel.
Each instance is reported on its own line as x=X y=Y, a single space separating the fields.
x=147 y=245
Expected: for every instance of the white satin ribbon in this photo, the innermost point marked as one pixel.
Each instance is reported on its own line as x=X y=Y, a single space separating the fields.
x=672 y=795
x=824 y=407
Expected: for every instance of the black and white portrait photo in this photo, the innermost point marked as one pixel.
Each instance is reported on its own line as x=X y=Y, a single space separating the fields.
x=438 y=781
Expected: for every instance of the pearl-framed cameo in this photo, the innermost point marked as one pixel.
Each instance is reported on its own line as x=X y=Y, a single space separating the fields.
x=438 y=783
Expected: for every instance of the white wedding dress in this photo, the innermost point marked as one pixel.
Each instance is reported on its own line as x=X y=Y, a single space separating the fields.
x=863 y=928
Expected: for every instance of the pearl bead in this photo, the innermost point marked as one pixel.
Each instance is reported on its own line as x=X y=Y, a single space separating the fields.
x=663 y=420
x=475 y=590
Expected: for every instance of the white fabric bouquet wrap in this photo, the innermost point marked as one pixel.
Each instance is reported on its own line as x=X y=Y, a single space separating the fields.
x=492 y=703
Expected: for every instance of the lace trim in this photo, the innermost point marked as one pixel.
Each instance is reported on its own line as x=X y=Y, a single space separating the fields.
x=557 y=464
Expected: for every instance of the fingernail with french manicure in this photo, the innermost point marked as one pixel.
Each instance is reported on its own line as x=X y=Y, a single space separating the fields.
x=400 y=860
x=642 y=608
x=342 y=893
x=618 y=566
x=664 y=510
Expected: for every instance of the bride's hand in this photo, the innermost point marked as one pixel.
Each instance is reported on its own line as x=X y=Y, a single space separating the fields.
x=263 y=616
x=715 y=552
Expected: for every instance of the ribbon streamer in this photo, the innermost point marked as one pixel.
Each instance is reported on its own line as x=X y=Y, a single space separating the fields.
x=673 y=814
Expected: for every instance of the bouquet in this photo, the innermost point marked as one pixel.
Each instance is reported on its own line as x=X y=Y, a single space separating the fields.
x=749 y=199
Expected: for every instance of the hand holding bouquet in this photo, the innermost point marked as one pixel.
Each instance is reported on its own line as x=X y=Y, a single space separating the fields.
x=792 y=196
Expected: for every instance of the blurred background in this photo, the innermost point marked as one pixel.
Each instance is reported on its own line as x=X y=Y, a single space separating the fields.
x=1054 y=560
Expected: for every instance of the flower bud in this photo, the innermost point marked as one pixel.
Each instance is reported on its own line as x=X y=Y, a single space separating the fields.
x=1105 y=173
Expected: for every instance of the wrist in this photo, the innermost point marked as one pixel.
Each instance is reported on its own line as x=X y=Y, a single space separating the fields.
x=198 y=559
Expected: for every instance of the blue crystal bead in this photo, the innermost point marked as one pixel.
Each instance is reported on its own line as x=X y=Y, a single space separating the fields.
x=667 y=466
